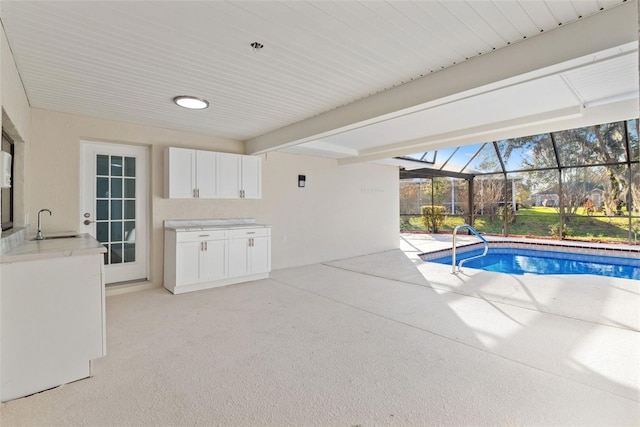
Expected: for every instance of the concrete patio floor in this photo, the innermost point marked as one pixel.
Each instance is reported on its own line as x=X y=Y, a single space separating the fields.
x=382 y=339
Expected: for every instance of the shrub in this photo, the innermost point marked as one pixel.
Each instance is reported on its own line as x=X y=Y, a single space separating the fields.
x=507 y=212
x=555 y=230
x=433 y=217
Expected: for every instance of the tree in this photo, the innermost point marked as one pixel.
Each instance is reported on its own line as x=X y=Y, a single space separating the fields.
x=410 y=200
x=489 y=192
x=601 y=147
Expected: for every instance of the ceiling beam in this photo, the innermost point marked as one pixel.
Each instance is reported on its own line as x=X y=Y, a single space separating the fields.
x=571 y=42
x=429 y=173
x=478 y=132
x=622 y=110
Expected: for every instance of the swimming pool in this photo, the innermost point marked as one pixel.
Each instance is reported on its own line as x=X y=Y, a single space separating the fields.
x=533 y=261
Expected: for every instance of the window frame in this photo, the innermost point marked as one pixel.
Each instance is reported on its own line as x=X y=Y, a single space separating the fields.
x=7 y=140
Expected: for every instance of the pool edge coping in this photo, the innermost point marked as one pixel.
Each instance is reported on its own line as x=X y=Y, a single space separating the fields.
x=580 y=248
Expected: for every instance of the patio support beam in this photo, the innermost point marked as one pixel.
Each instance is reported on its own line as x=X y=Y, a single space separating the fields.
x=560 y=189
x=470 y=199
x=505 y=219
x=549 y=51
x=627 y=148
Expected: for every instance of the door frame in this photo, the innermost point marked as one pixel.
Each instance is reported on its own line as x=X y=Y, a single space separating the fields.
x=143 y=202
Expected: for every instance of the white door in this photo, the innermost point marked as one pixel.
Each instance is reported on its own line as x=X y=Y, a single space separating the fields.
x=114 y=198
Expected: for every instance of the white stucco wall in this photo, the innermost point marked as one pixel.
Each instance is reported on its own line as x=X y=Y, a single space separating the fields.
x=344 y=210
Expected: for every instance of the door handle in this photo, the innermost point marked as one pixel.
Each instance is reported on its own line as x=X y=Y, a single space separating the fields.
x=87 y=222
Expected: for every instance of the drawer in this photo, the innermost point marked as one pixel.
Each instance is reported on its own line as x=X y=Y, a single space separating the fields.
x=195 y=236
x=249 y=232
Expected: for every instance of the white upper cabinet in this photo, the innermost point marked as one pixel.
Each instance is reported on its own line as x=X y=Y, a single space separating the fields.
x=206 y=174
x=251 y=177
x=229 y=178
x=180 y=173
x=189 y=173
x=239 y=176
x=210 y=175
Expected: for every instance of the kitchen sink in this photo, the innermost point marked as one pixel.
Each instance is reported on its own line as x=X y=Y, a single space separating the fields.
x=59 y=236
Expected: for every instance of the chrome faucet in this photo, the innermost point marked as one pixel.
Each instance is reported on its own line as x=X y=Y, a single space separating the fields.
x=39 y=236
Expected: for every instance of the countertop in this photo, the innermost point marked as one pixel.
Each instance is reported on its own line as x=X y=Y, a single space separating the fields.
x=30 y=250
x=215 y=227
x=211 y=224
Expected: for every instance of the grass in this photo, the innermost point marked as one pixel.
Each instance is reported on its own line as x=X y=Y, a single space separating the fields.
x=537 y=221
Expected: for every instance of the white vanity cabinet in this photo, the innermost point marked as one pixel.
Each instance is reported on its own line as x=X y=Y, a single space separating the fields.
x=190 y=174
x=239 y=176
x=215 y=256
x=52 y=314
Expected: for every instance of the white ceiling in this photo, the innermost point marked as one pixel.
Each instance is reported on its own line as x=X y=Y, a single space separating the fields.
x=321 y=61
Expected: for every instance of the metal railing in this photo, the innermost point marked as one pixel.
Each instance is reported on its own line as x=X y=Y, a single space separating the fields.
x=453 y=254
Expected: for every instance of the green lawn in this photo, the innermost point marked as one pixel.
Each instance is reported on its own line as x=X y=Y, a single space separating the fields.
x=537 y=221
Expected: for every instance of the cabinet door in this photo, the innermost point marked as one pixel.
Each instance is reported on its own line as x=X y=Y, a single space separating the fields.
x=238 y=257
x=228 y=174
x=213 y=260
x=206 y=174
x=187 y=263
x=180 y=173
x=252 y=177
x=260 y=255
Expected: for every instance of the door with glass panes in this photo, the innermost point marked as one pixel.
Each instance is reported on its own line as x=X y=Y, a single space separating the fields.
x=114 y=206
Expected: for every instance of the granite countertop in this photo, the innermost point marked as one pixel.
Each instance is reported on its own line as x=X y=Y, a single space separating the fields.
x=214 y=227
x=29 y=250
x=211 y=224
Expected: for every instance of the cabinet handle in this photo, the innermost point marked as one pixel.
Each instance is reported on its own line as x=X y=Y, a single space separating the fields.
x=194 y=193
x=198 y=192
x=201 y=246
x=206 y=246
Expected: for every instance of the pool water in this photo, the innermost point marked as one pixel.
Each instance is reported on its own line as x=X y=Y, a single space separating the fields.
x=531 y=261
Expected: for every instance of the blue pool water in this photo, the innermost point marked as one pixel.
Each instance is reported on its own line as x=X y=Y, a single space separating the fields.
x=531 y=261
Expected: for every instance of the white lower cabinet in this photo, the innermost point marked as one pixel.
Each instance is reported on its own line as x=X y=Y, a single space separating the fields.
x=52 y=322
x=249 y=252
x=204 y=259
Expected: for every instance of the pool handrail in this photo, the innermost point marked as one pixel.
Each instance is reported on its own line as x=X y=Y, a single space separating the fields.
x=453 y=253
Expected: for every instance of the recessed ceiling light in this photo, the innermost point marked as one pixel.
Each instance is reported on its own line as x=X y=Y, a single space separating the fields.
x=191 y=102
